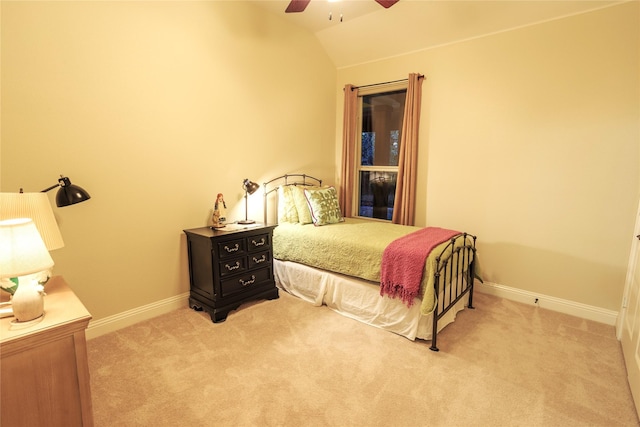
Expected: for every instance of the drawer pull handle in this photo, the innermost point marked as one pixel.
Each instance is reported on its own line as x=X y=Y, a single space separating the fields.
x=247 y=282
x=260 y=243
x=263 y=258
x=233 y=249
x=232 y=267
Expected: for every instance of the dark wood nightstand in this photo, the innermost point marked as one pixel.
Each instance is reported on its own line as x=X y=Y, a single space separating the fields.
x=229 y=266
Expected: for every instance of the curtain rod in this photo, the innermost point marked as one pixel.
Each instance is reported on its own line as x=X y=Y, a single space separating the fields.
x=420 y=76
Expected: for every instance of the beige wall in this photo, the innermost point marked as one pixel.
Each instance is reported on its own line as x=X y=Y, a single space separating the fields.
x=154 y=108
x=530 y=139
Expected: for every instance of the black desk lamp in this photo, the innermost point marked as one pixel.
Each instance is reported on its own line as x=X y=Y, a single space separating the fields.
x=68 y=194
x=249 y=187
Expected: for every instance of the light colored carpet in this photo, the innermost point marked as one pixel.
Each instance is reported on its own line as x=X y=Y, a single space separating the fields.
x=287 y=363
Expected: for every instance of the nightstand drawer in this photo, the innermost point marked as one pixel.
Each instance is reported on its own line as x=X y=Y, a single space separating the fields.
x=259 y=259
x=246 y=281
x=233 y=266
x=231 y=248
x=259 y=243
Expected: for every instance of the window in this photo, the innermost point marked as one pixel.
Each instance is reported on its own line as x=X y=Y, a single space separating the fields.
x=380 y=150
x=380 y=118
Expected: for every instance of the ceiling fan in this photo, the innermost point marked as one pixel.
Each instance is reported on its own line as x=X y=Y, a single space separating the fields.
x=301 y=5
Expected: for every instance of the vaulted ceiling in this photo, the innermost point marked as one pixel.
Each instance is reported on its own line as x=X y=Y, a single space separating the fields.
x=361 y=30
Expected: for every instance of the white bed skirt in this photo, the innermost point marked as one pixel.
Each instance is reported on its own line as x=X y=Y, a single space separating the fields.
x=358 y=299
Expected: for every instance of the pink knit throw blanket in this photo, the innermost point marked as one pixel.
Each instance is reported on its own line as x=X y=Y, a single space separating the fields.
x=404 y=259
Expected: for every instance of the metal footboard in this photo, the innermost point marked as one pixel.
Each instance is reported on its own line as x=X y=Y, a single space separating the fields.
x=454 y=278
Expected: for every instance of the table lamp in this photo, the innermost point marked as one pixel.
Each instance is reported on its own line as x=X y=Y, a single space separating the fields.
x=37 y=207
x=22 y=253
x=249 y=187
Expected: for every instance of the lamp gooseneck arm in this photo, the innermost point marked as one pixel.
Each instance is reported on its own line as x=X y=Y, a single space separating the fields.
x=50 y=188
x=62 y=181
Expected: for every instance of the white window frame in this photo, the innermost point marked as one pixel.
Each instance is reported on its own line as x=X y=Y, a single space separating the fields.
x=358 y=167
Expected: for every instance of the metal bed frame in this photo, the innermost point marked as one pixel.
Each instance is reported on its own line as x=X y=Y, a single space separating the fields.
x=455 y=265
x=456 y=269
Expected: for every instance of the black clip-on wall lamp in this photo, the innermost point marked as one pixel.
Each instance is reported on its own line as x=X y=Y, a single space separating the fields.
x=68 y=194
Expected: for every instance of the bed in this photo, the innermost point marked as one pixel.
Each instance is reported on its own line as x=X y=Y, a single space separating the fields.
x=355 y=266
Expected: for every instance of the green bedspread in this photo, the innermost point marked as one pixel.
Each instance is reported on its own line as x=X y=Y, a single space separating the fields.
x=353 y=247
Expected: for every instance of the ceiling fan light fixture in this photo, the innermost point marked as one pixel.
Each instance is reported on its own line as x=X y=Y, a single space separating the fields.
x=296 y=6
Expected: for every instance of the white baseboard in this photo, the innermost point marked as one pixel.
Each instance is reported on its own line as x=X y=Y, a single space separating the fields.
x=145 y=312
x=572 y=308
x=138 y=314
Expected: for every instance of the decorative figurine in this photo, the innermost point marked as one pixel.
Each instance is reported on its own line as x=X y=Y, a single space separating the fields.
x=219 y=218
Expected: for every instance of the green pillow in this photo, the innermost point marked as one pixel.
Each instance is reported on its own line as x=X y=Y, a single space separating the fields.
x=287 y=210
x=323 y=205
x=304 y=215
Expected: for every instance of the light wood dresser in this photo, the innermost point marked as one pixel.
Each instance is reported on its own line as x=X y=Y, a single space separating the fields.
x=44 y=367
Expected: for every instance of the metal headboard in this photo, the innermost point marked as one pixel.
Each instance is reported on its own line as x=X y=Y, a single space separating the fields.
x=287 y=179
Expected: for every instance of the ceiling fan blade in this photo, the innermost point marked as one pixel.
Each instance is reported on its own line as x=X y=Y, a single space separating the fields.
x=298 y=6
x=387 y=3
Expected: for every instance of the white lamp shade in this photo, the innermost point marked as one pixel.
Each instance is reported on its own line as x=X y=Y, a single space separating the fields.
x=22 y=250
x=37 y=207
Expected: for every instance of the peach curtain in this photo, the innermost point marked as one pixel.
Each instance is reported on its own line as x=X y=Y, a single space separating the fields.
x=404 y=205
x=345 y=196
